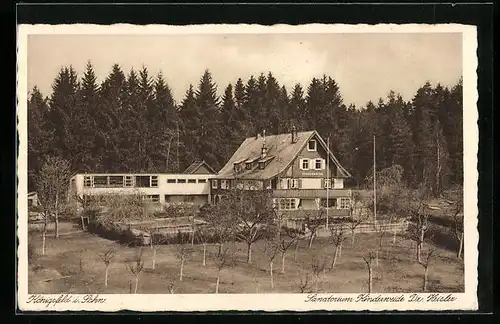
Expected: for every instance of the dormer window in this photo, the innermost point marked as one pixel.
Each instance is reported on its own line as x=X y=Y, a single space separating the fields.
x=248 y=165
x=262 y=165
x=311 y=146
x=237 y=167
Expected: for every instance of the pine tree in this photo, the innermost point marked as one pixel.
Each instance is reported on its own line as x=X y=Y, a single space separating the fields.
x=191 y=123
x=231 y=128
x=270 y=115
x=208 y=135
x=61 y=115
x=297 y=108
x=39 y=135
x=251 y=105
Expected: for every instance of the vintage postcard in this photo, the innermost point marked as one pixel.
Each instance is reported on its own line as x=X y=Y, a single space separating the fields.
x=247 y=167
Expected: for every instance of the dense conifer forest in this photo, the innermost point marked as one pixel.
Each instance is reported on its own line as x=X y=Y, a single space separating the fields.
x=131 y=123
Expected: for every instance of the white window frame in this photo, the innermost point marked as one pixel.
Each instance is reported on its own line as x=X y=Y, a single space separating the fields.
x=153 y=181
x=345 y=203
x=328 y=183
x=287 y=204
x=214 y=184
x=224 y=184
x=315 y=145
x=294 y=184
x=128 y=181
x=89 y=180
x=321 y=164
x=302 y=161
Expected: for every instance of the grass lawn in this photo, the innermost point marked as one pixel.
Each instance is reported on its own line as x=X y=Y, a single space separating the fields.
x=72 y=261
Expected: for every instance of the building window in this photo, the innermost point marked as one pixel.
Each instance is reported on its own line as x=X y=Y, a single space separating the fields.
x=154 y=181
x=237 y=167
x=202 y=180
x=181 y=180
x=191 y=180
x=214 y=184
x=304 y=164
x=143 y=181
x=87 y=181
x=100 y=181
x=331 y=203
x=345 y=203
x=318 y=164
x=170 y=180
x=224 y=184
x=328 y=183
x=294 y=183
x=249 y=165
x=311 y=146
x=116 y=181
x=262 y=165
x=152 y=198
x=129 y=181
x=288 y=204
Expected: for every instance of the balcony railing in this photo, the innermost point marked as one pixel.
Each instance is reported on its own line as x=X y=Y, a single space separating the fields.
x=311 y=193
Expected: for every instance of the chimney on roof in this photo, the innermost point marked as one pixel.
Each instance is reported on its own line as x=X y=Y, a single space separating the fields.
x=263 y=153
x=294 y=134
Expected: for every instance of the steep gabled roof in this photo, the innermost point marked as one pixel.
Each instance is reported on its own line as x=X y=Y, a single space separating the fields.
x=278 y=146
x=198 y=164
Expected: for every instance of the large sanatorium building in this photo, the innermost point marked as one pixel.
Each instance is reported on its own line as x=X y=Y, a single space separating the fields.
x=297 y=167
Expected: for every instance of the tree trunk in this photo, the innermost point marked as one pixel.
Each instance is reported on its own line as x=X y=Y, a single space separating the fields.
x=83 y=222
x=376 y=258
x=353 y=235
x=424 y=288
x=271 y=273
x=204 y=253
x=182 y=269
x=136 y=284
x=340 y=250
x=419 y=249
x=370 y=279
x=311 y=238
x=334 y=261
x=106 y=276
x=217 y=283
x=249 y=252
x=394 y=237
x=296 y=250
x=283 y=262
x=154 y=258
x=44 y=234
x=220 y=249
x=57 y=224
x=460 y=246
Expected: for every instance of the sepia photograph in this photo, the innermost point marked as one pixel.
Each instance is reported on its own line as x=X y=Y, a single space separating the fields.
x=301 y=167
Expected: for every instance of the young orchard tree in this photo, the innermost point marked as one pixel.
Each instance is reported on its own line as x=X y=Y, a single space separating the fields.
x=271 y=250
x=203 y=233
x=135 y=267
x=312 y=222
x=358 y=214
x=337 y=238
x=223 y=260
x=419 y=224
x=318 y=266
x=254 y=215
x=171 y=282
x=304 y=283
x=107 y=258
x=458 y=218
x=183 y=252
x=426 y=263
x=153 y=242
x=288 y=238
x=369 y=258
x=52 y=184
x=220 y=221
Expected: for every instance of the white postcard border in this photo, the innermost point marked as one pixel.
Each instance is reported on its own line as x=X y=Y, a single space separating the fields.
x=263 y=302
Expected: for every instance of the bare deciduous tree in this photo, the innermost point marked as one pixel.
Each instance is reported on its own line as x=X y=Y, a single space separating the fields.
x=288 y=238
x=368 y=258
x=171 y=281
x=107 y=257
x=52 y=184
x=318 y=266
x=426 y=264
x=337 y=238
x=312 y=222
x=203 y=233
x=220 y=221
x=304 y=283
x=419 y=219
x=183 y=251
x=223 y=260
x=135 y=267
x=271 y=250
x=458 y=218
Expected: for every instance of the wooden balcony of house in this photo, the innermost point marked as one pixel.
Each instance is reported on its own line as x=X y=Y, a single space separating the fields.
x=311 y=193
